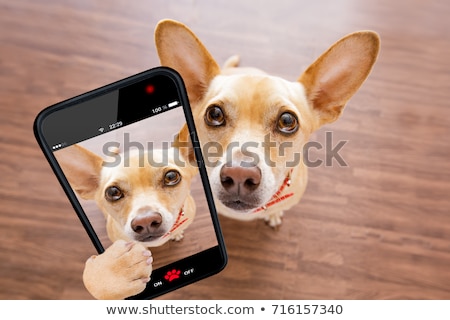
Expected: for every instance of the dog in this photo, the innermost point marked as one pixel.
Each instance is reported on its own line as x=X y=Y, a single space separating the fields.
x=144 y=205
x=238 y=108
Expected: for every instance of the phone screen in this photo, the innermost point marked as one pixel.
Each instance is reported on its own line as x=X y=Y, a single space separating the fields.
x=116 y=151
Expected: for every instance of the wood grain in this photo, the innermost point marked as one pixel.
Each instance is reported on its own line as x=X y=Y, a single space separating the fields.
x=378 y=228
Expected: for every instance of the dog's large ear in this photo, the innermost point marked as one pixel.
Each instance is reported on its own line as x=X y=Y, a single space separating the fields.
x=338 y=73
x=183 y=143
x=179 y=49
x=82 y=169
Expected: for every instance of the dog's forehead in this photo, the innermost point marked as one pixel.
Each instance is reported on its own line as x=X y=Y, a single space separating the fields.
x=132 y=173
x=154 y=157
x=148 y=164
x=264 y=89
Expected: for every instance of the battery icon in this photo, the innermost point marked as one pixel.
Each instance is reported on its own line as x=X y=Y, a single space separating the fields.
x=173 y=104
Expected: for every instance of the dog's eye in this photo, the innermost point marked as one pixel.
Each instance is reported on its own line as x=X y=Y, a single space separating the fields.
x=287 y=123
x=172 y=178
x=214 y=116
x=113 y=193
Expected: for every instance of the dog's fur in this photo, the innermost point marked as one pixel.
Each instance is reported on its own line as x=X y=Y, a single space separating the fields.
x=234 y=106
x=144 y=207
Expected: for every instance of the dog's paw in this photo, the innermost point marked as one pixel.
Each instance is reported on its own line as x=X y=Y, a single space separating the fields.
x=274 y=220
x=123 y=270
x=177 y=236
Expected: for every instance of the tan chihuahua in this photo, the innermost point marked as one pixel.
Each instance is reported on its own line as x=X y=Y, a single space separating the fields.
x=253 y=126
x=144 y=207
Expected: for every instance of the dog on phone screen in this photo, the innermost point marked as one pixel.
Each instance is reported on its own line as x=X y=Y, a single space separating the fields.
x=144 y=205
x=252 y=125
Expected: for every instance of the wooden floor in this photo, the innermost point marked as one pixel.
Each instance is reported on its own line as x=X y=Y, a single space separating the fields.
x=378 y=228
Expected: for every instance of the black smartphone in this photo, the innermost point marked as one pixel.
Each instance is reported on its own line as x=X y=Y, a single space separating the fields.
x=116 y=152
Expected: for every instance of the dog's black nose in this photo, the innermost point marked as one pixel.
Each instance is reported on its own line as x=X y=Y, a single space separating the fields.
x=146 y=223
x=240 y=179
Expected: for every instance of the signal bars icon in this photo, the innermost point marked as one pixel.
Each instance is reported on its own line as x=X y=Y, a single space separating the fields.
x=101 y=129
x=58 y=146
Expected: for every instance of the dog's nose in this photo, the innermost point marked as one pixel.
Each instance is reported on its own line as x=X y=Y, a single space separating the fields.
x=146 y=223
x=240 y=180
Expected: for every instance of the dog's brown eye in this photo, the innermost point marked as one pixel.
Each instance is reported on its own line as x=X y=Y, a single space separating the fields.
x=214 y=116
x=172 y=178
x=113 y=193
x=287 y=123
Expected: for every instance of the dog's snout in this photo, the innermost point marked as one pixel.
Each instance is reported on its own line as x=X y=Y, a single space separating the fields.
x=240 y=180
x=146 y=223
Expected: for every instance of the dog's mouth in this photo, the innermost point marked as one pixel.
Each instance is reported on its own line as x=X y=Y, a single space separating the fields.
x=240 y=205
x=148 y=237
x=253 y=204
x=154 y=231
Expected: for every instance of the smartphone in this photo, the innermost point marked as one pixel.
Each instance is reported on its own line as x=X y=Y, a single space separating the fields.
x=116 y=153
